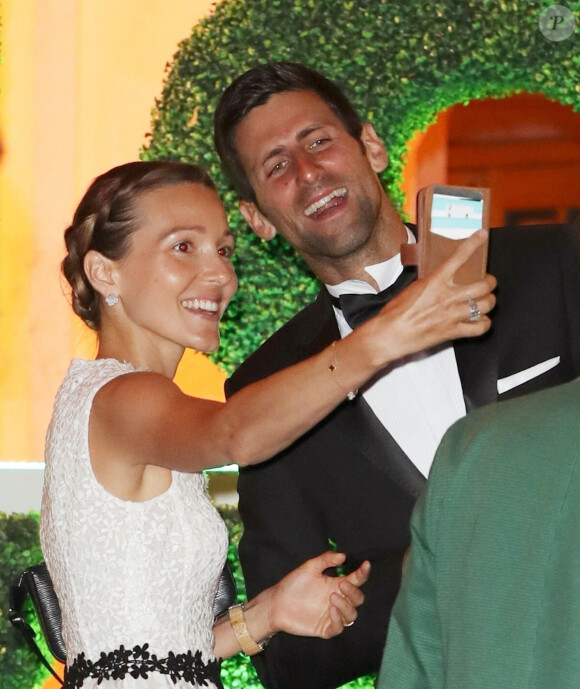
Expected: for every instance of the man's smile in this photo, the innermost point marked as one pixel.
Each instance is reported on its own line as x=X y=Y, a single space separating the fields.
x=326 y=202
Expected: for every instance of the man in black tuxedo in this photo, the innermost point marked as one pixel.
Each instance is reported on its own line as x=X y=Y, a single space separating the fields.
x=305 y=166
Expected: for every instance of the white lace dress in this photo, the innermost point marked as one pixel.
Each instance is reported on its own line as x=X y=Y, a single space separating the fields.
x=135 y=580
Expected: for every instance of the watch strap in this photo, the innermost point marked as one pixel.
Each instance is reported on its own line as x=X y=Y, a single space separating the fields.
x=238 y=622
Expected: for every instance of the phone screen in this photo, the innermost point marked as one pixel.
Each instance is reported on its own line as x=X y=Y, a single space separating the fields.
x=456 y=217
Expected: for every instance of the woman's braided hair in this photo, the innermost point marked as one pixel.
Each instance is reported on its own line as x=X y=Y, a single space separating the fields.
x=105 y=220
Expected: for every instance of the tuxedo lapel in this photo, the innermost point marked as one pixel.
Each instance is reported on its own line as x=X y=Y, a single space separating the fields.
x=358 y=425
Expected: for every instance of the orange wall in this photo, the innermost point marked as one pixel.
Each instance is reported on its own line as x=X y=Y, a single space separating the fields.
x=78 y=81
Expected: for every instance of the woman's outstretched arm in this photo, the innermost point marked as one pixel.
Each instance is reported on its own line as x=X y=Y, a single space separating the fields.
x=144 y=419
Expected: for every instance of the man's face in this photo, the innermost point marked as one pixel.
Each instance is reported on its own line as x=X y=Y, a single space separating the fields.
x=314 y=183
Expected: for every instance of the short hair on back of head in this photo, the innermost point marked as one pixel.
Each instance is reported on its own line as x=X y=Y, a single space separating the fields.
x=254 y=88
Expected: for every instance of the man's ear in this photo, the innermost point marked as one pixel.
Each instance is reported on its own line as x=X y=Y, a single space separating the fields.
x=375 y=150
x=259 y=223
x=99 y=271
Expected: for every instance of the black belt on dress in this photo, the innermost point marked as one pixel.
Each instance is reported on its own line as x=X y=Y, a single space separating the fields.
x=139 y=662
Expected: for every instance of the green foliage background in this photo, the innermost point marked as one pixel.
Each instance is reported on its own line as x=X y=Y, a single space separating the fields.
x=400 y=62
x=19 y=548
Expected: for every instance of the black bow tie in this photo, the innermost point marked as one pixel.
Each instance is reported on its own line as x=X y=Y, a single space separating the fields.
x=358 y=308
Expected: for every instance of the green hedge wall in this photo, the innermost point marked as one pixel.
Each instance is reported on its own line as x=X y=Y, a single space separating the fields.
x=401 y=63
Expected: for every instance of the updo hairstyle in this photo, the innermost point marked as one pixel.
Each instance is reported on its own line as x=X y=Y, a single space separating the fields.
x=105 y=220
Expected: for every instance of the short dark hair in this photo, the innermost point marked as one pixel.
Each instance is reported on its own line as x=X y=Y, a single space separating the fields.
x=254 y=88
x=105 y=220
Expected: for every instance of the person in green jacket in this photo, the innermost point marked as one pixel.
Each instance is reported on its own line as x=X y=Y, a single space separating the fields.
x=490 y=597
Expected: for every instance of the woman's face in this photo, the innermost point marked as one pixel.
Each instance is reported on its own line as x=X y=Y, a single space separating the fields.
x=177 y=279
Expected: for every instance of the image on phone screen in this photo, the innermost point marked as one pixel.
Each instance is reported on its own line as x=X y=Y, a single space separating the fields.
x=456 y=217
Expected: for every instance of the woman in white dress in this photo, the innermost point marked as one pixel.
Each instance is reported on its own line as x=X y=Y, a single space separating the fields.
x=132 y=542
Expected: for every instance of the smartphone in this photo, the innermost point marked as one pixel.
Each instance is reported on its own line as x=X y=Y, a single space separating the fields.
x=447 y=215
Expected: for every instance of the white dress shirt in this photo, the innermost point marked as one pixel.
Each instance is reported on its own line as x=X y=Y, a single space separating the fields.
x=418 y=397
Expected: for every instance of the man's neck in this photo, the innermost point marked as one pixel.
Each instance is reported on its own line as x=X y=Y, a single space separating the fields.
x=388 y=243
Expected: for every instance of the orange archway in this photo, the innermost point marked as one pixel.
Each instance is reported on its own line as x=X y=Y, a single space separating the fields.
x=524 y=147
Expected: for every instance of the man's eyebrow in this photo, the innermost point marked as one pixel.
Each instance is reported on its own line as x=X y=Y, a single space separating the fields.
x=302 y=134
x=272 y=154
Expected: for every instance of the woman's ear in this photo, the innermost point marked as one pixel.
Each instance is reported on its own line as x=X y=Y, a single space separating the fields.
x=259 y=223
x=375 y=150
x=99 y=271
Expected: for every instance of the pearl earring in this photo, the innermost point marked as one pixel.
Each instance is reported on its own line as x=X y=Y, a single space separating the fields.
x=111 y=299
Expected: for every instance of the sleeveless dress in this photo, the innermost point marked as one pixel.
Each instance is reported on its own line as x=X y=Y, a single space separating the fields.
x=135 y=580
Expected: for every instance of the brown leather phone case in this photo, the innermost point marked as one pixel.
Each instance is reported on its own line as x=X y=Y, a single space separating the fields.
x=433 y=247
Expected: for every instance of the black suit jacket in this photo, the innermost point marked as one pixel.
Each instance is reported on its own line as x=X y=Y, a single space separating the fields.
x=347 y=484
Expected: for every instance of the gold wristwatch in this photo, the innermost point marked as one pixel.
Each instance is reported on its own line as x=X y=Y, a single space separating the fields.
x=238 y=622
